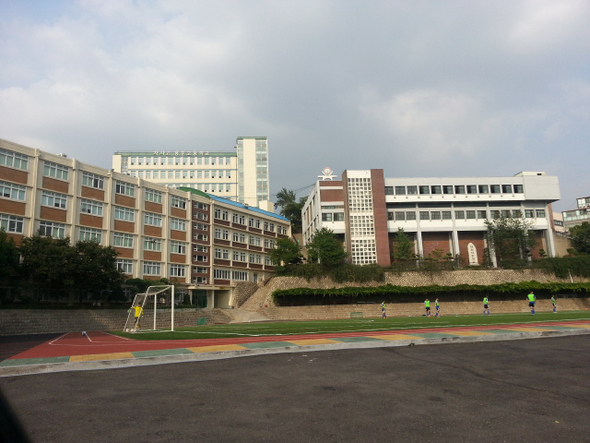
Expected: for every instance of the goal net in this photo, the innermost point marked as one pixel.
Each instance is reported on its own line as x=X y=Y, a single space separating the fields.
x=154 y=307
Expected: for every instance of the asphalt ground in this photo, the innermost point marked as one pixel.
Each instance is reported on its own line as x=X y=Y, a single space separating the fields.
x=501 y=391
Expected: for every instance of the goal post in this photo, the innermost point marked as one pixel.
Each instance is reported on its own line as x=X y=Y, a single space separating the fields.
x=155 y=291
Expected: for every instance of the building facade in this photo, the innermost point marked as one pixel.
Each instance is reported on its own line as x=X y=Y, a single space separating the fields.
x=204 y=243
x=441 y=215
x=240 y=175
x=578 y=216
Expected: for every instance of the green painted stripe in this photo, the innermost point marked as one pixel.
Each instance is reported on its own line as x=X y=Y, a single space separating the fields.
x=34 y=361
x=160 y=352
x=355 y=339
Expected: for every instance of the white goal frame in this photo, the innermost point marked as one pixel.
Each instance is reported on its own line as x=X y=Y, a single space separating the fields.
x=158 y=289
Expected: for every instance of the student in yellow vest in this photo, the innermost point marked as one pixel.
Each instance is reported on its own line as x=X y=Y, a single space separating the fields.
x=138 y=311
x=531 y=298
x=486 y=305
x=427 y=306
x=554 y=303
x=437 y=306
x=383 y=314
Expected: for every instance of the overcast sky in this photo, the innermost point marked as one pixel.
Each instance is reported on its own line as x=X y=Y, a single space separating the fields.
x=417 y=88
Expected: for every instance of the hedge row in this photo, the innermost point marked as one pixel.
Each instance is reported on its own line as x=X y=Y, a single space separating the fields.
x=392 y=293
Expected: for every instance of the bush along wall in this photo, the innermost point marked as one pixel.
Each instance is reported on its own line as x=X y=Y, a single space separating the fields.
x=408 y=294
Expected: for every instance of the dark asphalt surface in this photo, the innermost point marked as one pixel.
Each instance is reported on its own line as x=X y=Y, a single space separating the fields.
x=513 y=391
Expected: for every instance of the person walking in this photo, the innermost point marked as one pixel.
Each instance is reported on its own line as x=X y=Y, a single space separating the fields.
x=531 y=298
x=383 y=314
x=427 y=306
x=437 y=306
x=554 y=304
x=486 y=305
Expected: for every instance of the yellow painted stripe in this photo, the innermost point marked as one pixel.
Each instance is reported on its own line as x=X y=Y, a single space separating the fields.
x=393 y=337
x=95 y=357
x=581 y=326
x=313 y=341
x=216 y=348
x=469 y=333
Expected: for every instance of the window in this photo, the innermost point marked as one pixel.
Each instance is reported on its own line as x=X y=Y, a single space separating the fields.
x=506 y=189
x=435 y=215
x=12 y=191
x=177 y=224
x=14 y=159
x=388 y=190
x=518 y=189
x=339 y=216
x=529 y=213
x=11 y=223
x=125 y=266
x=178 y=202
x=56 y=171
x=254 y=223
x=152 y=244
x=200 y=280
x=240 y=275
x=459 y=215
x=435 y=189
x=495 y=189
x=482 y=214
x=201 y=237
x=177 y=247
x=505 y=213
x=484 y=189
x=400 y=215
x=92 y=180
x=124 y=214
x=326 y=217
x=424 y=190
x=222 y=274
x=200 y=258
x=151 y=268
x=54 y=200
x=400 y=190
x=240 y=219
x=149 y=218
x=459 y=189
x=200 y=248
x=412 y=190
x=51 y=229
x=516 y=213
x=201 y=227
x=221 y=214
x=471 y=189
x=447 y=189
x=89 y=234
x=125 y=188
x=540 y=213
x=123 y=240
x=153 y=196
x=254 y=241
x=177 y=271
x=424 y=215
x=201 y=216
x=494 y=213
x=410 y=215
x=446 y=215
x=222 y=253
x=239 y=237
x=470 y=214
x=91 y=207
x=200 y=270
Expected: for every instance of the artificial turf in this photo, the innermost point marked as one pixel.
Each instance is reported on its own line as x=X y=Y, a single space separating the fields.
x=277 y=328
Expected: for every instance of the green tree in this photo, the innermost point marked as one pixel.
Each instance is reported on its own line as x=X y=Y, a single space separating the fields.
x=286 y=252
x=291 y=208
x=9 y=257
x=96 y=268
x=511 y=238
x=403 y=246
x=324 y=248
x=580 y=237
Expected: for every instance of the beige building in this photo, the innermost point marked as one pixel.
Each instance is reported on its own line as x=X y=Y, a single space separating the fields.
x=204 y=243
x=240 y=175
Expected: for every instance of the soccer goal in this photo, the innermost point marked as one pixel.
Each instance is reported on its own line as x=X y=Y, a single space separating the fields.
x=162 y=297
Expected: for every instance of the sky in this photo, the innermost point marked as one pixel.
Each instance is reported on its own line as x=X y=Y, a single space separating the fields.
x=417 y=88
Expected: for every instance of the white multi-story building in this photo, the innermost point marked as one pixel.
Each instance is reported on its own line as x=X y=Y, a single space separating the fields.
x=578 y=216
x=240 y=175
x=440 y=214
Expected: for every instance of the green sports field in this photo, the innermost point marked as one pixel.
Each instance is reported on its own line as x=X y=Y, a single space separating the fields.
x=278 y=328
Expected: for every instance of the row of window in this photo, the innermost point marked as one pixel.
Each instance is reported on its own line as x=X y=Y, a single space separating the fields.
x=240 y=219
x=465 y=215
x=224 y=254
x=240 y=237
x=178 y=160
x=453 y=189
x=199 y=174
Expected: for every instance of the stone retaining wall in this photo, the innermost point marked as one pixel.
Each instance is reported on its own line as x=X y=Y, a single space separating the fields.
x=41 y=321
x=333 y=312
